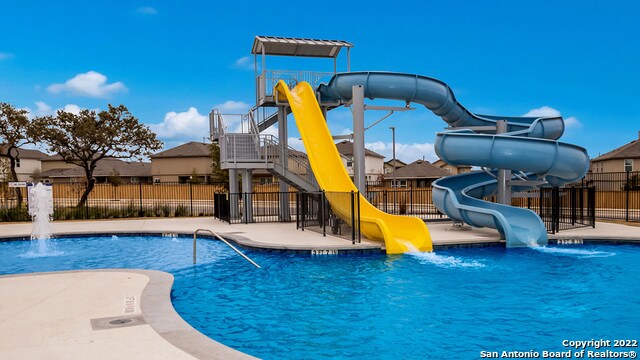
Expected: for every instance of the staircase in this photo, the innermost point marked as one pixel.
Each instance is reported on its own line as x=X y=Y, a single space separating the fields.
x=295 y=172
x=251 y=150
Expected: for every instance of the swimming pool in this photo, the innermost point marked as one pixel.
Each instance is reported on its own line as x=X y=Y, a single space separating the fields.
x=451 y=305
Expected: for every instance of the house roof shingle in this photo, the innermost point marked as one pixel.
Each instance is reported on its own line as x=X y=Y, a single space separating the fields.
x=399 y=163
x=190 y=149
x=419 y=169
x=105 y=167
x=25 y=153
x=346 y=148
x=627 y=151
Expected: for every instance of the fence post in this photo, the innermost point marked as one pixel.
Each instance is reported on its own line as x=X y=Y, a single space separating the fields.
x=555 y=209
x=323 y=199
x=191 y=198
x=574 y=205
x=303 y=208
x=592 y=204
x=353 y=220
x=385 y=199
x=86 y=204
x=141 y=212
x=297 y=210
x=410 y=198
x=627 y=187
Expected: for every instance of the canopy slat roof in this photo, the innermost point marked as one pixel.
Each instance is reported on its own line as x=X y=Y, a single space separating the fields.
x=275 y=45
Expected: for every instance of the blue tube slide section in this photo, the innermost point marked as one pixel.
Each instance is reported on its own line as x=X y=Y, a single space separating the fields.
x=529 y=147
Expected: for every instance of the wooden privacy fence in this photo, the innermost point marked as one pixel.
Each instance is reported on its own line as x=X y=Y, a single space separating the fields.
x=617 y=196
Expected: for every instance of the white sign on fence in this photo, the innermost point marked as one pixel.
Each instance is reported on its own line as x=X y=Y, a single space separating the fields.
x=17 y=184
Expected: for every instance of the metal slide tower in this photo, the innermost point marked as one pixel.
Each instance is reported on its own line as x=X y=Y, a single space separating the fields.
x=246 y=144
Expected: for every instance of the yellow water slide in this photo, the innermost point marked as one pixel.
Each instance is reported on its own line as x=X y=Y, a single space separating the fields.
x=399 y=233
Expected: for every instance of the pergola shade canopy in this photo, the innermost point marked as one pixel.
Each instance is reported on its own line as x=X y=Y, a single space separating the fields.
x=275 y=45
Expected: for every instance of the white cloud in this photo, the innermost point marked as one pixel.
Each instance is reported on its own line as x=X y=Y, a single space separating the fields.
x=543 y=111
x=188 y=125
x=146 y=10
x=4 y=55
x=91 y=84
x=296 y=143
x=44 y=109
x=569 y=122
x=572 y=122
x=233 y=107
x=405 y=152
x=72 y=108
x=245 y=63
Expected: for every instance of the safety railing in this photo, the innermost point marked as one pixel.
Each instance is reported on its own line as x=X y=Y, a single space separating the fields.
x=195 y=237
x=269 y=78
x=314 y=211
x=296 y=162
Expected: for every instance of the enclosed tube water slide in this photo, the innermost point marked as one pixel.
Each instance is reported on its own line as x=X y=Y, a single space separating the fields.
x=400 y=234
x=528 y=146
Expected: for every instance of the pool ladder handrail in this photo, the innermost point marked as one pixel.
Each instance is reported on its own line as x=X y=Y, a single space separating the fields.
x=195 y=236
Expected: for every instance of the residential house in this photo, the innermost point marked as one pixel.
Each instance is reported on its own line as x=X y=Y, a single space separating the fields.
x=624 y=158
x=56 y=170
x=373 y=162
x=28 y=164
x=181 y=163
x=389 y=165
x=452 y=169
x=418 y=174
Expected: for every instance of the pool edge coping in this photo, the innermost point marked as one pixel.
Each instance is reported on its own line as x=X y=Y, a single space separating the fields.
x=158 y=311
x=249 y=244
x=239 y=240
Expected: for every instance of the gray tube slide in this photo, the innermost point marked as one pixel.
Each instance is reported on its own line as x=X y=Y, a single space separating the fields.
x=528 y=146
x=435 y=96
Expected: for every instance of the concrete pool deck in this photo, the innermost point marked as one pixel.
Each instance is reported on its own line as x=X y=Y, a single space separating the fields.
x=65 y=315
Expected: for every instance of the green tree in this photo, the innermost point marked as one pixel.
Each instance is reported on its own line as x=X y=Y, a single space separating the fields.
x=217 y=174
x=15 y=131
x=88 y=137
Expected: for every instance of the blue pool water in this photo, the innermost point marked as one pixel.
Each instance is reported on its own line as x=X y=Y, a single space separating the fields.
x=453 y=304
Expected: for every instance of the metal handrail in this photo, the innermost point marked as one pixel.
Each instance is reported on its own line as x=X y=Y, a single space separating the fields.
x=295 y=164
x=195 y=236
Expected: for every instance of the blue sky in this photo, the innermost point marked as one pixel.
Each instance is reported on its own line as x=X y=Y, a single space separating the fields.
x=172 y=62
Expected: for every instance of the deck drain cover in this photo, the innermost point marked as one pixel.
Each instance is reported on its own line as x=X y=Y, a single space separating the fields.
x=117 y=322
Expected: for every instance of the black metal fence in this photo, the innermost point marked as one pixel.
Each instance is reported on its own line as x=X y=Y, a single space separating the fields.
x=317 y=214
x=404 y=201
x=310 y=210
x=566 y=208
x=617 y=194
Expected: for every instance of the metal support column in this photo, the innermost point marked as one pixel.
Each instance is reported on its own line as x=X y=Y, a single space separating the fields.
x=358 y=138
x=234 y=199
x=247 y=192
x=285 y=213
x=504 y=190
